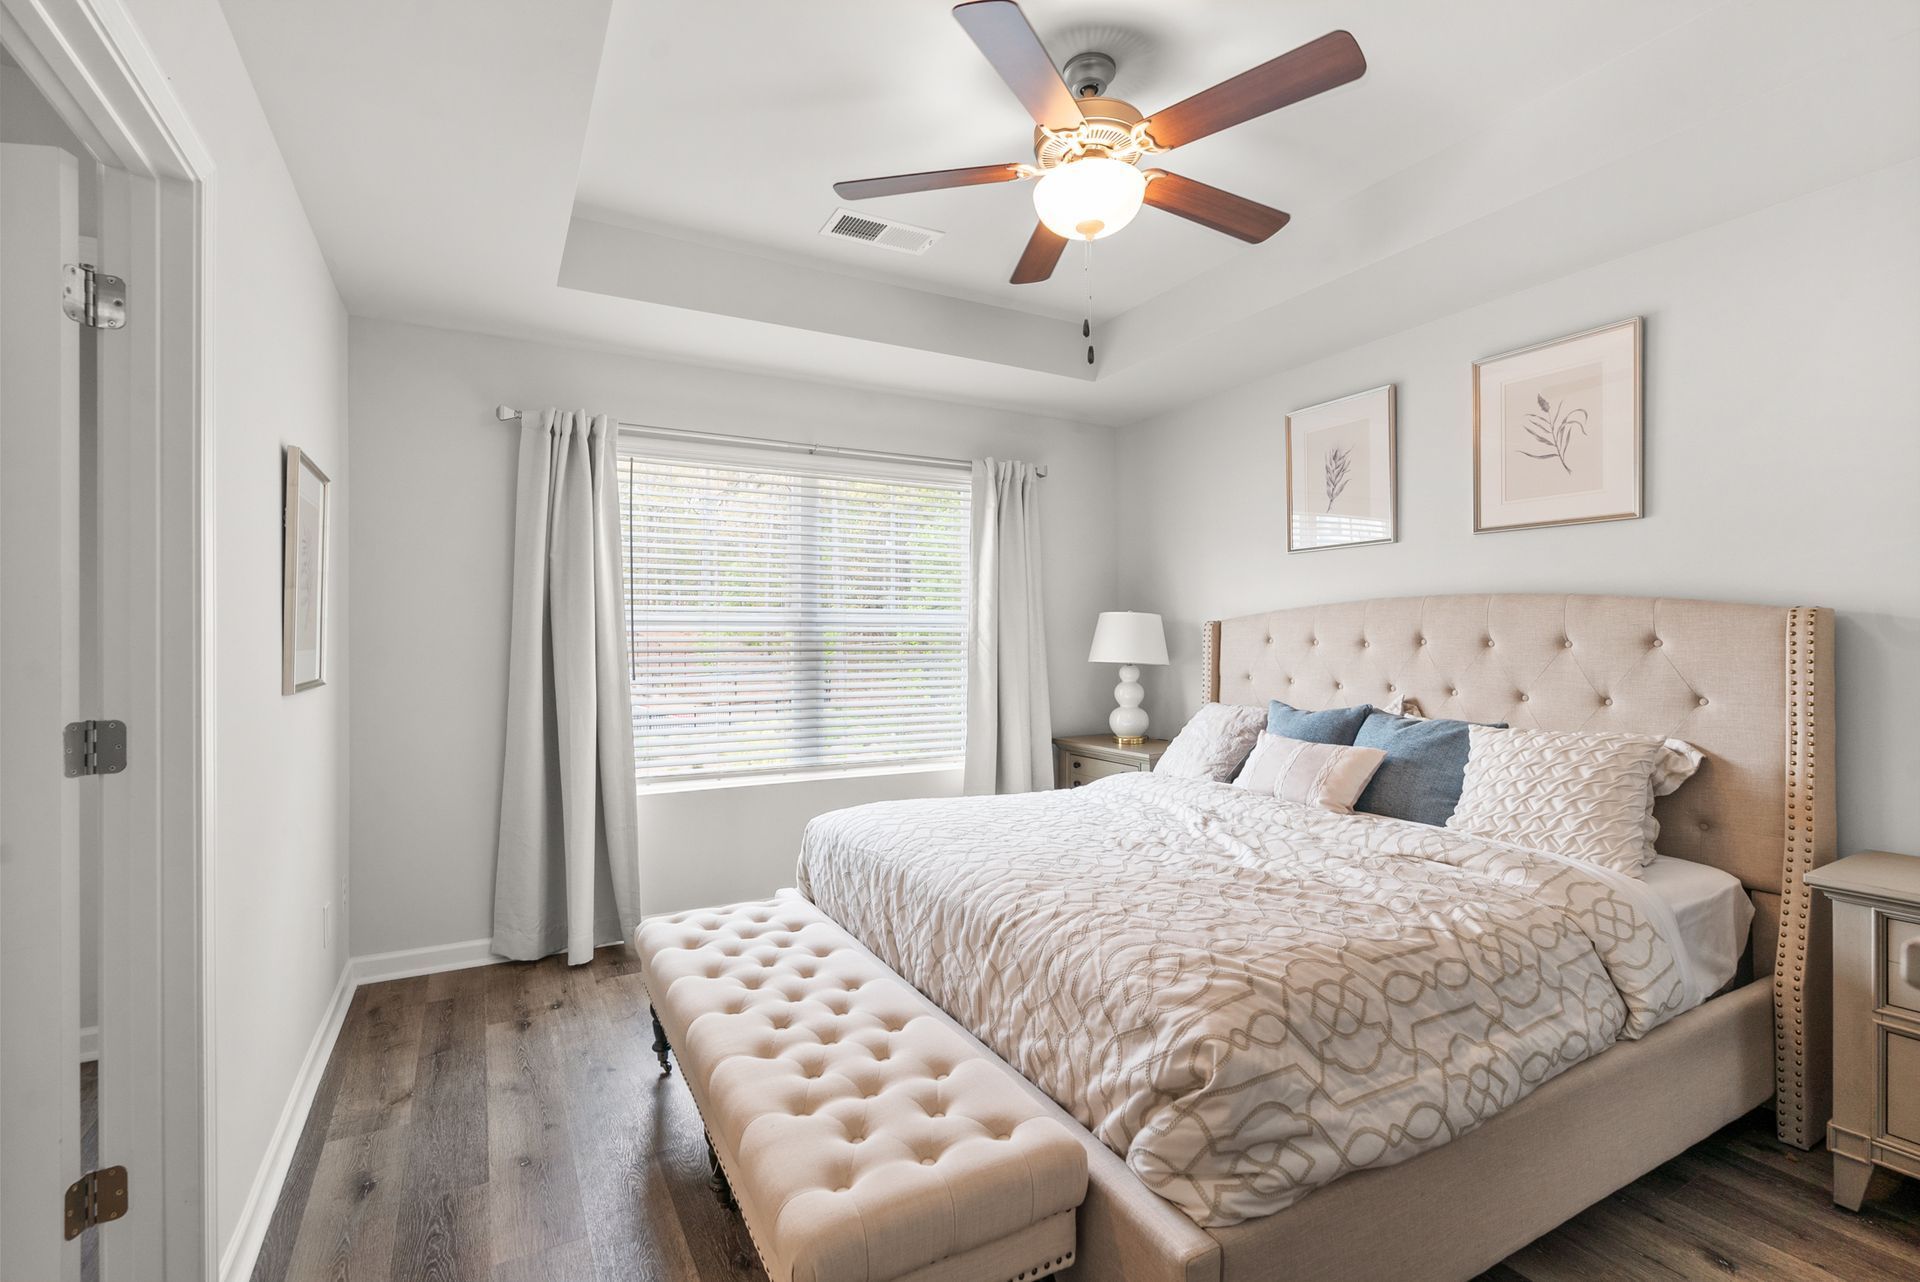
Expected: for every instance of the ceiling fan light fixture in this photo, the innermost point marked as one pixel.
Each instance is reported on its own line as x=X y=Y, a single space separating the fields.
x=1089 y=198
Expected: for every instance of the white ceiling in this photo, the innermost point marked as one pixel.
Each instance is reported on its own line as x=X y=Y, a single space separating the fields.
x=636 y=175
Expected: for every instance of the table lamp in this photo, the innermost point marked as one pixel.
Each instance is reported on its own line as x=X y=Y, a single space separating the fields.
x=1128 y=638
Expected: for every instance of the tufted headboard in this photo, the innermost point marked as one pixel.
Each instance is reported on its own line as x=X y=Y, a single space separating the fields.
x=1750 y=685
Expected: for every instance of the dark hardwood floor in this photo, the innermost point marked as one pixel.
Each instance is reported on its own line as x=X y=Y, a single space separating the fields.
x=509 y=1124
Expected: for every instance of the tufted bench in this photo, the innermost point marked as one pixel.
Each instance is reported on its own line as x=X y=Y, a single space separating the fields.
x=864 y=1138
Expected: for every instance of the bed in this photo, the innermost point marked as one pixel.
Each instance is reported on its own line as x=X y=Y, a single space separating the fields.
x=1580 y=1049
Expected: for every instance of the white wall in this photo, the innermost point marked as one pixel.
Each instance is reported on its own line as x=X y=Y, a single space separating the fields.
x=279 y=821
x=432 y=537
x=1782 y=459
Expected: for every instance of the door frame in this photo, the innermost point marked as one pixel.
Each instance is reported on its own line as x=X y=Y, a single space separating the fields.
x=88 y=58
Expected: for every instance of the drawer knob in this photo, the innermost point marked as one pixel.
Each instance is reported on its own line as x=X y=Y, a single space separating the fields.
x=1910 y=962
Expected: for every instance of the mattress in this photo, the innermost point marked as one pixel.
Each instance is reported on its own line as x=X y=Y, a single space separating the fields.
x=1242 y=997
x=1712 y=914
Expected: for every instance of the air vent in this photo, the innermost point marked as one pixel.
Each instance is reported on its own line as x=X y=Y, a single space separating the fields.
x=902 y=238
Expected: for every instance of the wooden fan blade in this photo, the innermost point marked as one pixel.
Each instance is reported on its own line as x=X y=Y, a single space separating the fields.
x=1315 y=67
x=1038 y=259
x=893 y=185
x=1223 y=211
x=1008 y=40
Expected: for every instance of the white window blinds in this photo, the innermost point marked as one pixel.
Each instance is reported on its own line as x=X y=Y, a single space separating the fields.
x=782 y=620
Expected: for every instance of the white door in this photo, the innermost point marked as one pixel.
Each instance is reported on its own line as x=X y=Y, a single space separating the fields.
x=39 y=695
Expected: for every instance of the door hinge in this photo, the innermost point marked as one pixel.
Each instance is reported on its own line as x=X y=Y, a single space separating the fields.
x=95 y=1198
x=95 y=748
x=93 y=297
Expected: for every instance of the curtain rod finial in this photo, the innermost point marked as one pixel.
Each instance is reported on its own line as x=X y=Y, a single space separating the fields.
x=505 y=413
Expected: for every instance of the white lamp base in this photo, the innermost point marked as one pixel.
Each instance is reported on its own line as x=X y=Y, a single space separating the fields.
x=1128 y=721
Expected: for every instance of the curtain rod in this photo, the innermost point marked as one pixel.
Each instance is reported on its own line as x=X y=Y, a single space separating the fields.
x=507 y=414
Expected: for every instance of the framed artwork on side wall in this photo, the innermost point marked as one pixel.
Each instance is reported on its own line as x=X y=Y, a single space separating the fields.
x=1556 y=432
x=1340 y=473
x=303 y=591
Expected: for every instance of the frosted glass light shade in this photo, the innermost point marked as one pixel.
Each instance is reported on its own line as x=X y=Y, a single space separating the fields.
x=1128 y=636
x=1090 y=198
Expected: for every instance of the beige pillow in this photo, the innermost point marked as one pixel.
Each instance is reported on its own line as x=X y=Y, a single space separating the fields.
x=1582 y=796
x=1317 y=774
x=1213 y=743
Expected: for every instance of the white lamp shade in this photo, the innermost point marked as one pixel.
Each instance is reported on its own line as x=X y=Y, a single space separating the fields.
x=1128 y=636
x=1089 y=199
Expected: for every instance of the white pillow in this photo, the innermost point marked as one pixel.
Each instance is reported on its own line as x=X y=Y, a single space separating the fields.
x=1214 y=743
x=1326 y=775
x=1582 y=796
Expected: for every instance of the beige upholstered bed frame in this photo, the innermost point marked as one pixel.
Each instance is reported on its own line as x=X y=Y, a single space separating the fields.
x=1750 y=685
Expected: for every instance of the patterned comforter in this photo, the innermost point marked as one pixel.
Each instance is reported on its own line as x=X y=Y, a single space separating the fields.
x=1242 y=997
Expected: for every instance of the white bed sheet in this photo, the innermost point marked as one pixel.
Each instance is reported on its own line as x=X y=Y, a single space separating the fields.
x=1712 y=913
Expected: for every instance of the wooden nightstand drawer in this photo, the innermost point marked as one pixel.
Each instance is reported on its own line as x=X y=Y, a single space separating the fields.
x=1903 y=1087
x=1903 y=965
x=1086 y=769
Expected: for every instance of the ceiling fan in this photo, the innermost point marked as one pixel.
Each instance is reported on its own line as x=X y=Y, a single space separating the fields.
x=1087 y=147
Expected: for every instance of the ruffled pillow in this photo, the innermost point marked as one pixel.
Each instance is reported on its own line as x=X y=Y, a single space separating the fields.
x=1213 y=743
x=1581 y=796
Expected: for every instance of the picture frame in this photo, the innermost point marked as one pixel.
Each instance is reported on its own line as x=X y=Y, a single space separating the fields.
x=1557 y=431
x=303 y=597
x=1342 y=472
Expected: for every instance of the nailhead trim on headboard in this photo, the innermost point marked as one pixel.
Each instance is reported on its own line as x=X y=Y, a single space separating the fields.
x=1210 y=661
x=1799 y=1005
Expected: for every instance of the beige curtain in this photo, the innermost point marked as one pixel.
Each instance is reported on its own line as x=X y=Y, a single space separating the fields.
x=567 y=868
x=1009 y=727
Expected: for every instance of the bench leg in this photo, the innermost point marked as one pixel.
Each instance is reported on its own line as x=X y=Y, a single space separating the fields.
x=660 y=1046
x=722 y=1189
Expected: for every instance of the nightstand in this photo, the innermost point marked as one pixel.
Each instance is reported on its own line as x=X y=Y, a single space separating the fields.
x=1082 y=758
x=1876 y=1018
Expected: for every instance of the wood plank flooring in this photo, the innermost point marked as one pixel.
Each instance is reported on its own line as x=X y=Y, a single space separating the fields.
x=509 y=1124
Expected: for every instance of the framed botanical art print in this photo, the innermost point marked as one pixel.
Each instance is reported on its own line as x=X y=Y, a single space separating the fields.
x=1556 y=431
x=1340 y=473
x=303 y=594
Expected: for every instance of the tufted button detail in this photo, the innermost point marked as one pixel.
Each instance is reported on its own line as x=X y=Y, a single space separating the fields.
x=1366 y=644
x=926 y=1161
x=1339 y=685
x=1703 y=825
x=1566 y=643
x=1523 y=698
x=1314 y=641
x=1606 y=702
x=1658 y=642
x=1452 y=693
x=1489 y=643
x=1703 y=701
x=1391 y=687
x=1269 y=640
x=1422 y=640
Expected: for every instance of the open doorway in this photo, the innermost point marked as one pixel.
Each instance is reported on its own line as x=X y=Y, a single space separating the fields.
x=103 y=1026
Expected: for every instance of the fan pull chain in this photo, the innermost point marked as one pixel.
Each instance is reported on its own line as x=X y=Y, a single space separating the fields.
x=1086 y=325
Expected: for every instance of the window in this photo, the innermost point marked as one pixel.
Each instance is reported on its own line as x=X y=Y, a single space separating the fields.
x=785 y=619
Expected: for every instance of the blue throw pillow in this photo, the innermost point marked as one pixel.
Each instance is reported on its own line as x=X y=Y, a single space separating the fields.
x=1335 y=725
x=1421 y=777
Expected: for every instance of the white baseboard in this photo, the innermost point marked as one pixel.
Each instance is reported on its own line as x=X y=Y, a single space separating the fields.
x=90 y=1044
x=408 y=962
x=236 y=1262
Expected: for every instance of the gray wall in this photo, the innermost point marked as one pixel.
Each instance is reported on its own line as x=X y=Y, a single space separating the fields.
x=432 y=536
x=1782 y=464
